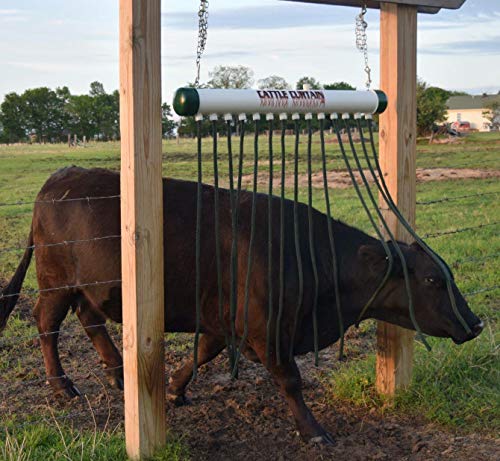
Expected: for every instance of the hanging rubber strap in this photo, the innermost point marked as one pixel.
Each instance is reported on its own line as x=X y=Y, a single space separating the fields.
x=312 y=247
x=384 y=190
x=387 y=230
x=333 y=250
x=233 y=263
x=282 y=238
x=240 y=159
x=199 y=203
x=218 y=265
x=298 y=255
x=250 y=246
x=270 y=241
x=387 y=250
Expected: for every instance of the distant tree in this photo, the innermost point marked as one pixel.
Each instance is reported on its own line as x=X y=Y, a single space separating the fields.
x=231 y=77
x=105 y=111
x=431 y=108
x=274 y=82
x=45 y=113
x=492 y=114
x=96 y=89
x=311 y=81
x=12 y=118
x=168 y=125
x=339 y=86
x=81 y=116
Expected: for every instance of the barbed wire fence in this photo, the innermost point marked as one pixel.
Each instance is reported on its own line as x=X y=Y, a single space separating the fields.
x=85 y=409
x=45 y=406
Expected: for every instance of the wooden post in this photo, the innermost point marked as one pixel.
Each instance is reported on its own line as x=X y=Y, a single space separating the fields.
x=398 y=67
x=142 y=226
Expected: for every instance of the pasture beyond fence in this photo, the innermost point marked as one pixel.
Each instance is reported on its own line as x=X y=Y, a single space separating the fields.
x=90 y=376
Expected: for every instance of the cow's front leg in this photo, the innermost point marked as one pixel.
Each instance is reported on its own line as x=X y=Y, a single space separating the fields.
x=287 y=377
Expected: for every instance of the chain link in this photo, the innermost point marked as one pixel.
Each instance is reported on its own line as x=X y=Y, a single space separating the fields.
x=362 y=43
x=202 y=37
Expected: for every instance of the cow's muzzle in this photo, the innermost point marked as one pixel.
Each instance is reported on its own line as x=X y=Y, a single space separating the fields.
x=475 y=331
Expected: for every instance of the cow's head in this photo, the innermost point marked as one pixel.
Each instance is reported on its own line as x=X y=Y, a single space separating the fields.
x=432 y=306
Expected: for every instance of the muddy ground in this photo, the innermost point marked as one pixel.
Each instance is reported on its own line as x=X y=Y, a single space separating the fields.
x=340 y=179
x=244 y=419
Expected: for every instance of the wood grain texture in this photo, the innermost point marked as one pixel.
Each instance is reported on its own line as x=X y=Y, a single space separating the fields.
x=142 y=226
x=398 y=125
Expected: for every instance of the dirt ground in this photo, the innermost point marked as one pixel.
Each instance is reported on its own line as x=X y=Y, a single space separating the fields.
x=342 y=180
x=244 y=419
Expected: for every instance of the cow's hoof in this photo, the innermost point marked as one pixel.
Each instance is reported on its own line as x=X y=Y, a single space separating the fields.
x=115 y=379
x=70 y=391
x=116 y=382
x=179 y=400
x=324 y=438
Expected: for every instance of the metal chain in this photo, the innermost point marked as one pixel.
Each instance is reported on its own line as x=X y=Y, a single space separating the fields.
x=202 y=37
x=362 y=43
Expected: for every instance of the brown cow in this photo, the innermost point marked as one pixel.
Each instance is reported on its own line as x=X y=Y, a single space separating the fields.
x=362 y=263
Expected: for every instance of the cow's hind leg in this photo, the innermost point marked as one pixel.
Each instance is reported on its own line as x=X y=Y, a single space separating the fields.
x=287 y=378
x=209 y=347
x=93 y=322
x=50 y=310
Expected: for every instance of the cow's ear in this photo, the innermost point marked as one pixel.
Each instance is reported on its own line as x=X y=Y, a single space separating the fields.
x=416 y=246
x=374 y=257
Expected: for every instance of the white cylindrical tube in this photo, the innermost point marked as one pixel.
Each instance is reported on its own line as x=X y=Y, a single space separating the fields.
x=191 y=101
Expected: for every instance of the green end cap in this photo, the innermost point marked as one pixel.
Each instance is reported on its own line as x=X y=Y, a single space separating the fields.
x=382 y=101
x=186 y=101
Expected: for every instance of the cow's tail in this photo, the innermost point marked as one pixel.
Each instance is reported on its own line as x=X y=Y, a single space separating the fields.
x=9 y=296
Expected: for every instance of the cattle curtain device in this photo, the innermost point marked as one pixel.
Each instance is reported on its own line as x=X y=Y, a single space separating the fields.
x=355 y=137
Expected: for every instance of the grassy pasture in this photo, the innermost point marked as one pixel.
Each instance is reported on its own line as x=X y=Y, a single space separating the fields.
x=457 y=387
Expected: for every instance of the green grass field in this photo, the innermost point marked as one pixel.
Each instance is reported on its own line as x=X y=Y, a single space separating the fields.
x=454 y=386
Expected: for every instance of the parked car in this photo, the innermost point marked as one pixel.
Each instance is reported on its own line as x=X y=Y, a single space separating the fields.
x=461 y=126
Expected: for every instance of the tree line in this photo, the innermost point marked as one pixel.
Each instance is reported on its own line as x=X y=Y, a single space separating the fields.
x=47 y=115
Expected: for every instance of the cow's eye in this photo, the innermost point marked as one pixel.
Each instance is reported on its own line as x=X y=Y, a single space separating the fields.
x=431 y=280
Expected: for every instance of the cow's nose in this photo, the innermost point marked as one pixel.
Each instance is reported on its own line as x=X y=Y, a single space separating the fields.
x=478 y=328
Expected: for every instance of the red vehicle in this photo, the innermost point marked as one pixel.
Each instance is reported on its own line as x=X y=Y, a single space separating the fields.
x=461 y=126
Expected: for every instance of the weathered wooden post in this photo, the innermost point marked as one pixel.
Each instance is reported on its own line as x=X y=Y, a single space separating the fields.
x=142 y=226
x=397 y=144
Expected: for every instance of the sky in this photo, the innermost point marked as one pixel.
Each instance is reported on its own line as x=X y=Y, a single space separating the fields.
x=74 y=42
